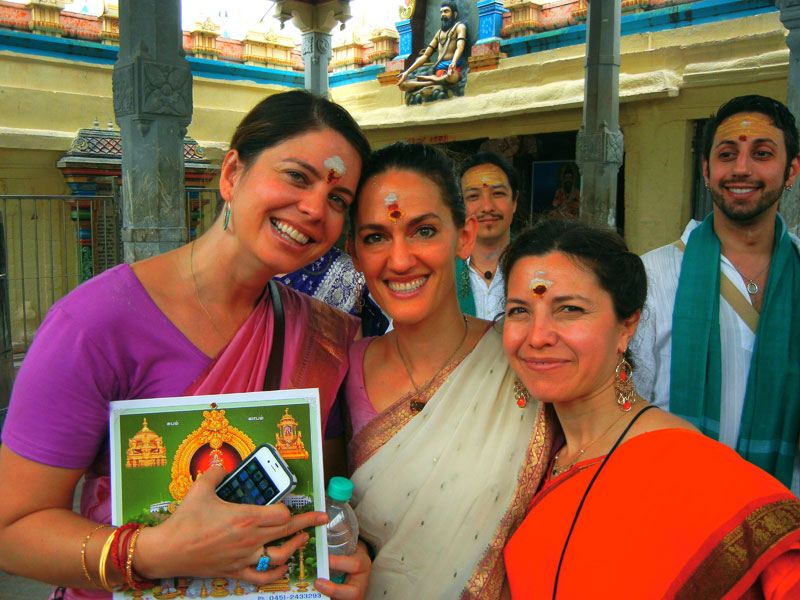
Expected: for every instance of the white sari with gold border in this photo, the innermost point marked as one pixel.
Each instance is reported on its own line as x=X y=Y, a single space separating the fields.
x=441 y=493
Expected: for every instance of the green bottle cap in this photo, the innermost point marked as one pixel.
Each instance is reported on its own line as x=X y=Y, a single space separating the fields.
x=340 y=489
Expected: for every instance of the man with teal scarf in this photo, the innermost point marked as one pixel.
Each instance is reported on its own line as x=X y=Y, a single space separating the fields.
x=719 y=340
x=490 y=187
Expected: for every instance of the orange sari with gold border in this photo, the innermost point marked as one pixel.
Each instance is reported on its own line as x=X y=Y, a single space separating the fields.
x=673 y=514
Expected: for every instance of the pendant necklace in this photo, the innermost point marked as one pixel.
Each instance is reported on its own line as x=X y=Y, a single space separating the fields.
x=556 y=471
x=752 y=286
x=417 y=405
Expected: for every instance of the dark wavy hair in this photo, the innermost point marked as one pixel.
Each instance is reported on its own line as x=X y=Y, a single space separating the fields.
x=282 y=116
x=619 y=271
x=780 y=116
x=423 y=160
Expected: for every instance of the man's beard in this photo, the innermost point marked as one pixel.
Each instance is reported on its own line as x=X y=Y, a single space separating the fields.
x=448 y=22
x=747 y=212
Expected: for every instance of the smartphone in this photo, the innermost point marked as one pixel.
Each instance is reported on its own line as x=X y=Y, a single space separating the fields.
x=261 y=478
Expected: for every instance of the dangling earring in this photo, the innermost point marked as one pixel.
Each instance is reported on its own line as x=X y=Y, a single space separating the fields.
x=789 y=187
x=227 y=216
x=464 y=286
x=359 y=293
x=521 y=393
x=626 y=394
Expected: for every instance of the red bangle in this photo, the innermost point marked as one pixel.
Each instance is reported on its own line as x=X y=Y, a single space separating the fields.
x=118 y=562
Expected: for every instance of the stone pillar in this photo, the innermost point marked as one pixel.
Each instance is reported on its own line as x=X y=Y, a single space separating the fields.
x=316 y=22
x=600 y=144
x=153 y=106
x=790 y=17
x=316 y=58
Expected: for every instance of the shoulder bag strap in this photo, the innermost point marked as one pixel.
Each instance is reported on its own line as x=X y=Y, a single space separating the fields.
x=272 y=378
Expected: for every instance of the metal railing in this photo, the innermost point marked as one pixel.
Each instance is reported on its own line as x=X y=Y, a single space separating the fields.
x=52 y=244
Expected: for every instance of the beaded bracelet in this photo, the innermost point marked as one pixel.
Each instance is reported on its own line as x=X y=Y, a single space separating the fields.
x=137 y=585
x=83 y=553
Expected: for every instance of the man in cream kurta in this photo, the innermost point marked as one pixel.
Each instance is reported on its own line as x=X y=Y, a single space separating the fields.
x=652 y=344
x=750 y=156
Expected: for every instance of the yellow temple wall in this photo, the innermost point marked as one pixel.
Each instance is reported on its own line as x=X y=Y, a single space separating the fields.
x=668 y=79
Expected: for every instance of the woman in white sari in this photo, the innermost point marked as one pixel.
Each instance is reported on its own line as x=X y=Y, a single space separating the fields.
x=446 y=451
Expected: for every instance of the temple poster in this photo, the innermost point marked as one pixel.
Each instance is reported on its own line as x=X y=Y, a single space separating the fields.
x=160 y=446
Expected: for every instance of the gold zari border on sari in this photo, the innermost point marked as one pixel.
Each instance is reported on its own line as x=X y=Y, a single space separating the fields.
x=385 y=426
x=738 y=551
x=487 y=579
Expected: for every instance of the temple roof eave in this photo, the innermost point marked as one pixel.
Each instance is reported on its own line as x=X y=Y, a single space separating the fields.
x=561 y=95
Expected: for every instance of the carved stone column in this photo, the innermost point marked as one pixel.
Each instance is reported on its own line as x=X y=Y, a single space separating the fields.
x=790 y=17
x=153 y=106
x=600 y=144
x=316 y=22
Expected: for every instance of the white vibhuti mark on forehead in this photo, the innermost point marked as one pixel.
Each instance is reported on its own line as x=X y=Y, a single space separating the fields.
x=336 y=163
x=390 y=199
x=336 y=168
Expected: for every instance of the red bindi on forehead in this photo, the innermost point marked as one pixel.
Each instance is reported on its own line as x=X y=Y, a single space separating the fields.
x=742 y=138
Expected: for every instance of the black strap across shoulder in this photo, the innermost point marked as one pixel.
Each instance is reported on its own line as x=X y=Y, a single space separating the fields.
x=272 y=378
x=586 y=493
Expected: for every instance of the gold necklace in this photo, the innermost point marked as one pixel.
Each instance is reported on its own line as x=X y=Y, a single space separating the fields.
x=417 y=405
x=197 y=293
x=556 y=471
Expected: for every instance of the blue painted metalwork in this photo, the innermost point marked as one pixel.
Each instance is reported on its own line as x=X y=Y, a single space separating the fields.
x=490 y=21
x=404 y=29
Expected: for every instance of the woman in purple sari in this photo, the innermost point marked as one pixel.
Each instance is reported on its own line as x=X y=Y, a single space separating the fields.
x=195 y=320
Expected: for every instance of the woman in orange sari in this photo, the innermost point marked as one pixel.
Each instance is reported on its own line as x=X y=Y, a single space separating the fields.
x=636 y=503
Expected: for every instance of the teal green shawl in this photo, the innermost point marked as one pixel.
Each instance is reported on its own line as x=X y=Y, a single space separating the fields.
x=770 y=424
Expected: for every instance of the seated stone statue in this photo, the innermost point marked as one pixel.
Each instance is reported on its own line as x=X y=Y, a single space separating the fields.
x=448 y=76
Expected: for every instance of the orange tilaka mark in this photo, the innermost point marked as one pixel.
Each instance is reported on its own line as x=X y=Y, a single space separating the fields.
x=539 y=290
x=333 y=176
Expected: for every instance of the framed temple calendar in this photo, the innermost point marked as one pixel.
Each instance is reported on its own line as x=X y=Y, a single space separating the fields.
x=160 y=447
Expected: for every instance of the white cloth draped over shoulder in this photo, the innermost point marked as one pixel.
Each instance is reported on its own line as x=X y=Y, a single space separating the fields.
x=442 y=495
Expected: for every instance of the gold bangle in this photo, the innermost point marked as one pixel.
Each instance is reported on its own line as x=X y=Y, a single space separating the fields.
x=129 y=564
x=104 y=559
x=83 y=553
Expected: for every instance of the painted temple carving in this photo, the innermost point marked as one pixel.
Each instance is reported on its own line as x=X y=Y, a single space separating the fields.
x=426 y=81
x=288 y=440
x=215 y=442
x=146 y=449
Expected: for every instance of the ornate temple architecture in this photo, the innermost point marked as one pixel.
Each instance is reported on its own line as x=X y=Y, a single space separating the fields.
x=679 y=60
x=146 y=449
x=289 y=440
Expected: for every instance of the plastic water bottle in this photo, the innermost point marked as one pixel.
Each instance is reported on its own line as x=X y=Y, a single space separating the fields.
x=342 y=523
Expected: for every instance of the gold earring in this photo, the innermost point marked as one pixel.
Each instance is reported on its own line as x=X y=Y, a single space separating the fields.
x=623 y=384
